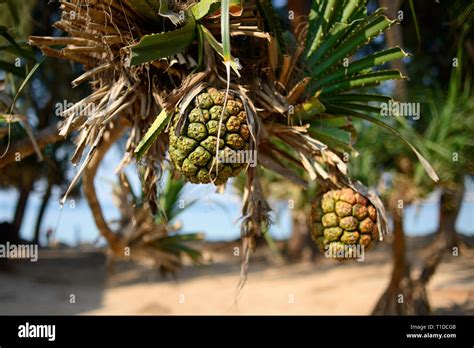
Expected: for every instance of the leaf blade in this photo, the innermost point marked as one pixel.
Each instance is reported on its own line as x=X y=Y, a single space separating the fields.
x=345 y=111
x=370 y=61
x=355 y=40
x=157 y=46
x=204 y=7
x=361 y=81
x=153 y=132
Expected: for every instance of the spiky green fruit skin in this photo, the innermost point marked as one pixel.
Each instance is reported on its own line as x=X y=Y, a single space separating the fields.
x=193 y=152
x=343 y=218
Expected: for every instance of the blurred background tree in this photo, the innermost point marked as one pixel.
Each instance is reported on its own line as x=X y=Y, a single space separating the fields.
x=38 y=104
x=448 y=135
x=439 y=37
x=36 y=91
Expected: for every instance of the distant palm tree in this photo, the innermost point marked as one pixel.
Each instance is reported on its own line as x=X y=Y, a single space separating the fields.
x=159 y=238
x=449 y=137
x=19 y=137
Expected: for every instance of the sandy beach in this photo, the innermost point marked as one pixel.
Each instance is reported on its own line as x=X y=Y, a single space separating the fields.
x=71 y=281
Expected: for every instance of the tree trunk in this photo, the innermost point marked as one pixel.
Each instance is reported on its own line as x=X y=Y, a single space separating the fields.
x=450 y=204
x=20 y=209
x=400 y=266
x=42 y=210
x=445 y=241
x=300 y=247
x=395 y=300
x=403 y=295
x=393 y=38
x=447 y=238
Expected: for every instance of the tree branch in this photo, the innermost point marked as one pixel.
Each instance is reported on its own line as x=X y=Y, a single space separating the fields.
x=109 y=138
x=25 y=147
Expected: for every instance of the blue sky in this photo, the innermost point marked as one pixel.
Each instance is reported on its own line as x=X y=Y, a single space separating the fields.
x=216 y=215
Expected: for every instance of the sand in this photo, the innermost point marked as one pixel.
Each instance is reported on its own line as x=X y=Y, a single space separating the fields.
x=71 y=281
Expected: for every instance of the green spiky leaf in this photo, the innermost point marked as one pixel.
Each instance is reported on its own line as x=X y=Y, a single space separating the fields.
x=319 y=20
x=225 y=30
x=205 y=7
x=340 y=110
x=368 y=62
x=217 y=46
x=309 y=108
x=332 y=136
x=363 y=80
x=354 y=41
x=356 y=97
x=157 y=46
x=150 y=136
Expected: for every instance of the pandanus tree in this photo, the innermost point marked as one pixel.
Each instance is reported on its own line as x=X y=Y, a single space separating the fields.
x=450 y=121
x=157 y=237
x=207 y=83
x=27 y=115
x=21 y=136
